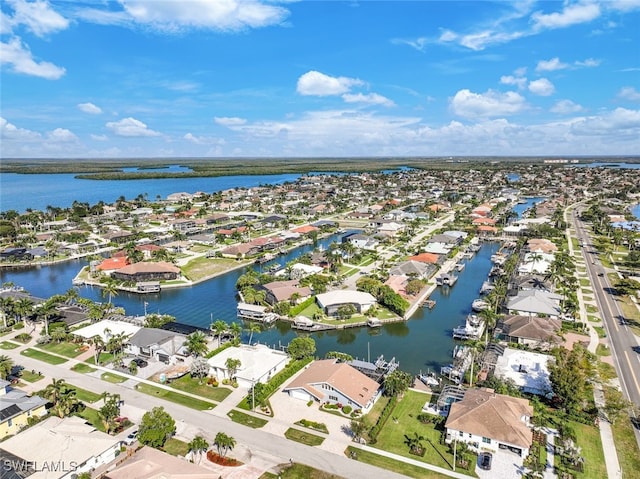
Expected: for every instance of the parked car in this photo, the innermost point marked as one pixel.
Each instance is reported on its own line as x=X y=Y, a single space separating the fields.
x=141 y=363
x=131 y=438
x=485 y=460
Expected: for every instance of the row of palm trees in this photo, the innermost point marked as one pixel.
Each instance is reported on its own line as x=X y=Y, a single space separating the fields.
x=199 y=446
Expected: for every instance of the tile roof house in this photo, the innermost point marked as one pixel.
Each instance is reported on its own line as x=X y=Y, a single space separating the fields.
x=529 y=330
x=150 y=463
x=487 y=421
x=283 y=291
x=16 y=407
x=147 y=271
x=328 y=381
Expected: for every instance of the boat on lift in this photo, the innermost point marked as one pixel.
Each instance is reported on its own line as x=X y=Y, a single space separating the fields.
x=479 y=305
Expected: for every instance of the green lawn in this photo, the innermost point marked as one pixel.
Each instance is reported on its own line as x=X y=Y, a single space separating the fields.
x=30 y=377
x=8 y=345
x=65 y=348
x=391 y=464
x=626 y=446
x=377 y=408
x=42 y=356
x=602 y=350
x=83 y=368
x=91 y=415
x=175 y=397
x=298 y=471
x=105 y=358
x=303 y=437
x=403 y=423
x=246 y=419
x=192 y=385
x=113 y=378
x=84 y=395
x=176 y=447
x=588 y=438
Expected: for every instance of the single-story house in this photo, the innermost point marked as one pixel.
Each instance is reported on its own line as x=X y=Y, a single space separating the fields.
x=431 y=258
x=529 y=330
x=534 y=302
x=16 y=407
x=284 y=290
x=332 y=300
x=530 y=371
x=415 y=269
x=58 y=448
x=361 y=241
x=107 y=328
x=328 y=381
x=113 y=264
x=487 y=421
x=536 y=263
x=258 y=364
x=147 y=271
x=159 y=344
x=151 y=463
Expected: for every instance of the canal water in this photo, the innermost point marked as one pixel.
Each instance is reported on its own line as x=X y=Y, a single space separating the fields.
x=421 y=344
x=520 y=208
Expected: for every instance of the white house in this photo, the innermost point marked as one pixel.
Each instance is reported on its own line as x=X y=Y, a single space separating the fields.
x=332 y=300
x=487 y=421
x=258 y=364
x=60 y=448
x=529 y=371
x=328 y=381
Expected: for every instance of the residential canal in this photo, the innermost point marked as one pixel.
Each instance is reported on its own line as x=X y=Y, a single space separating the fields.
x=520 y=208
x=420 y=344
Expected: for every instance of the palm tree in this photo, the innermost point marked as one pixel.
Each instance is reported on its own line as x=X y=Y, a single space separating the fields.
x=46 y=310
x=99 y=346
x=62 y=397
x=24 y=308
x=224 y=443
x=198 y=446
x=110 y=289
x=236 y=330
x=6 y=366
x=232 y=365
x=253 y=328
x=219 y=328
x=6 y=308
x=196 y=343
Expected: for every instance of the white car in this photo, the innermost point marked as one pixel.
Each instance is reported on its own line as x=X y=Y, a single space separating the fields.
x=131 y=438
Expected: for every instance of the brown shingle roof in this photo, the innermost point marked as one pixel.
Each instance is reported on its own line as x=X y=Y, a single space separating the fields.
x=347 y=380
x=484 y=413
x=150 y=267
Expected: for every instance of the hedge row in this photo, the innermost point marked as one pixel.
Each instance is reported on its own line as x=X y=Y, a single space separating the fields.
x=298 y=308
x=276 y=381
x=386 y=412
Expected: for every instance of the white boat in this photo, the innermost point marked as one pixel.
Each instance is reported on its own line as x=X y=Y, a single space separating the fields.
x=479 y=305
x=486 y=288
x=429 y=379
x=374 y=322
x=472 y=329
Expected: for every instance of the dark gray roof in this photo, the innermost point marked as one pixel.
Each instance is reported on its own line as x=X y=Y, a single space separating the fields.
x=15 y=467
x=149 y=336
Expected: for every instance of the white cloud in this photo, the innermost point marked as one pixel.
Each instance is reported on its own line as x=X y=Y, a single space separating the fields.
x=588 y=63
x=222 y=15
x=89 y=108
x=17 y=55
x=623 y=5
x=203 y=140
x=564 y=107
x=38 y=17
x=369 y=98
x=9 y=131
x=130 y=127
x=319 y=84
x=541 y=87
x=572 y=14
x=490 y=104
x=62 y=135
x=519 y=81
x=551 y=65
x=98 y=137
x=629 y=93
x=229 y=121
x=483 y=39
x=419 y=43
x=620 y=122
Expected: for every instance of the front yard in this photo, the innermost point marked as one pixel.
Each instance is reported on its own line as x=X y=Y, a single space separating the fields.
x=42 y=356
x=193 y=385
x=64 y=348
x=402 y=426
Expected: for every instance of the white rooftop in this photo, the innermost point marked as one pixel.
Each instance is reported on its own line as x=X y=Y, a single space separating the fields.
x=528 y=370
x=107 y=328
x=255 y=361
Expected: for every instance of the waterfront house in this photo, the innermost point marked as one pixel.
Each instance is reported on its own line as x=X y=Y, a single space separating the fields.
x=158 y=344
x=528 y=370
x=60 y=447
x=413 y=269
x=284 y=290
x=429 y=258
x=331 y=301
x=16 y=407
x=258 y=364
x=531 y=331
x=535 y=303
x=148 y=271
x=487 y=421
x=112 y=264
x=361 y=241
x=328 y=381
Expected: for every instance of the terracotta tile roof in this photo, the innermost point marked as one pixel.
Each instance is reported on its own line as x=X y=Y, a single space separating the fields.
x=347 y=380
x=484 y=413
x=305 y=229
x=425 y=258
x=149 y=267
x=113 y=263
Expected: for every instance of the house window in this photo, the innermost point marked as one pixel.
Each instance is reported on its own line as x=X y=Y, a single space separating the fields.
x=333 y=398
x=460 y=433
x=10 y=422
x=469 y=435
x=486 y=440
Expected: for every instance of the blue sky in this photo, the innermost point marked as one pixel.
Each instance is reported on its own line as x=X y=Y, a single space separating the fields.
x=228 y=78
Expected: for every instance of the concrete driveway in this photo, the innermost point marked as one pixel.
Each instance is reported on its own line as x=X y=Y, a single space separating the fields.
x=505 y=465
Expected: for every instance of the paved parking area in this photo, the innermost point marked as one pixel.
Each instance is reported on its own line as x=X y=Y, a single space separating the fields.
x=505 y=465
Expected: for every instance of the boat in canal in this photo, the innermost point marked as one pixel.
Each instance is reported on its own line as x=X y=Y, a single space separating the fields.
x=479 y=305
x=472 y=328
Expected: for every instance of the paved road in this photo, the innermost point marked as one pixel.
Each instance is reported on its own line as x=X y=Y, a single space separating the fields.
x=266 y=448
x=623 y=342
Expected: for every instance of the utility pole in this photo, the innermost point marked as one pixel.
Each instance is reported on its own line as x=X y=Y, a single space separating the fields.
x=455 y=443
